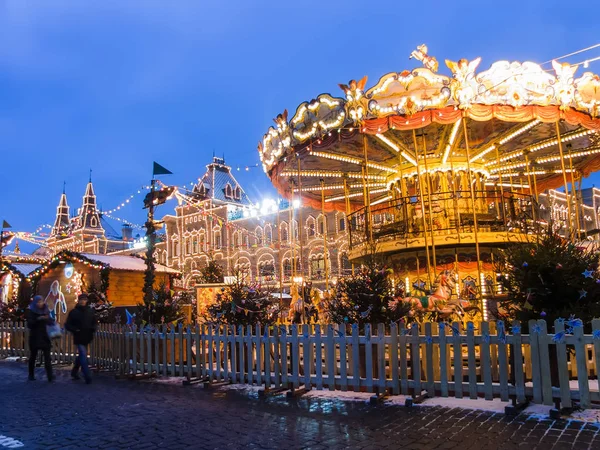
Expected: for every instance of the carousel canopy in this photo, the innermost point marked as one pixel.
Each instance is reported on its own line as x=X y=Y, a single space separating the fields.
x=515 y=124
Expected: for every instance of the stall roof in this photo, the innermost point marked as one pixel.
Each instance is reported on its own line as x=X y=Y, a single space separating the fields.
x=25 y=268
x=125 y=262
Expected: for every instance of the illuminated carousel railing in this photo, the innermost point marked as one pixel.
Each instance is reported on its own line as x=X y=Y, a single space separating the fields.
x=445 y=215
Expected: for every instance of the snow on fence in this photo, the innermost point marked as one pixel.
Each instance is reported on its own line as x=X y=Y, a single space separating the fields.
x=477 y=360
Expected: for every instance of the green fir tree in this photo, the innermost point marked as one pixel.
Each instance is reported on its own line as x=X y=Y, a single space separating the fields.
x=212 y=273
x=549 y=278
x=162 y=308
x=243 y=303
x=366 y=297
x=105 y=312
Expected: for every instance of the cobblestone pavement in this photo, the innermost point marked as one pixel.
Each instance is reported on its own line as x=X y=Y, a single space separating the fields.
x=123 y=414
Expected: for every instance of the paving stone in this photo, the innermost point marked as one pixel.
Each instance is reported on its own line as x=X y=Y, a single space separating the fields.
x=111 y=414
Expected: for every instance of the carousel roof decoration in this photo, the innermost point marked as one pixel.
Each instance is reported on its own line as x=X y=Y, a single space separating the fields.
x=517 y=119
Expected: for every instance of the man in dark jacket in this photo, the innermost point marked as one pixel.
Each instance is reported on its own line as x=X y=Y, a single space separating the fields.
x=38 y=318
x=82 y=323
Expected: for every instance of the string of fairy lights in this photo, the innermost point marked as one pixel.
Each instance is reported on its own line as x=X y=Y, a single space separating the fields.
x=126 y=201
x=313 y=135
x=38 y=235
x=123 y=221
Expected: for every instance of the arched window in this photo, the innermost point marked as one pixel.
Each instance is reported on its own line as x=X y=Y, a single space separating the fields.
x=202 y=242
x=342 y=224
x=287 y=268
x=268 y=235
x=236 y=239
x=317 y=267
x=217 y=239
x=322 y=225
x=310 y=227
x=228 y=191
x=195 y=245
x=188 y=248
x=283 y=232
x=266 y=268
x=238 y=193
x=259 y=236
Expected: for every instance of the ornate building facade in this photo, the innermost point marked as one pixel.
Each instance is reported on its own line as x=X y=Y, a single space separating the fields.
x=219 y=221
x=87 y=231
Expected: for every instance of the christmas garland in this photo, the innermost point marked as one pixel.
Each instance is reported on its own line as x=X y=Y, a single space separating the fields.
x=16 y=274
x=71 y=256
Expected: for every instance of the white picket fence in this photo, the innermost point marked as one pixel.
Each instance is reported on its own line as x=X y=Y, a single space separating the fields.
x=477 y=360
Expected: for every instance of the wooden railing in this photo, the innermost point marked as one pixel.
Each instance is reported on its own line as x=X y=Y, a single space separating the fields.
x=480 y=360
x=401 y=219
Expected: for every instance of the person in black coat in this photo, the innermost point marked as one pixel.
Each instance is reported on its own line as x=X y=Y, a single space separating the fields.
x=82 y=323
x=38 y=318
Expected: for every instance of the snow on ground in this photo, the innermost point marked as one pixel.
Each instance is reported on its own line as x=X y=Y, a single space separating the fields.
x=587 y=415
x=165 y=380
x=593 y=384
x=480 y=404
x=246 y=388
x=534 y=411
x=347 y=396
x=538 y=411
x=573 y=384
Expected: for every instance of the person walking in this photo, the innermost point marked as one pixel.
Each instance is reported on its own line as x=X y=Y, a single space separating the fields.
x=38 y=319
x=81 y=322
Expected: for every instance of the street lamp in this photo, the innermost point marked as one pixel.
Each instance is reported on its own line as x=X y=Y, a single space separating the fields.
x=153 y=199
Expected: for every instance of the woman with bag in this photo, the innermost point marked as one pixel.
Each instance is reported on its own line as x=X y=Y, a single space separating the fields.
x=38 y=321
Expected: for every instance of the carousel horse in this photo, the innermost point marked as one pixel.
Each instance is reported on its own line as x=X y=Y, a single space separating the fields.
x=439 y=302
x=436 y=302
x=296 y=305
x=322 y=305
x=314 y=307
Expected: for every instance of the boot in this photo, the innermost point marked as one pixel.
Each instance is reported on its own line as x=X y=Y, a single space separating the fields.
x=75 y=374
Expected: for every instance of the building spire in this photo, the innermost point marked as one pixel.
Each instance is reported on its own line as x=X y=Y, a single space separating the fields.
x=62 y=222
x=89 y=218
x=64 y=187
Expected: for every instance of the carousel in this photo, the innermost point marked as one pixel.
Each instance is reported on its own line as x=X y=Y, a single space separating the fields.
x=437 y=172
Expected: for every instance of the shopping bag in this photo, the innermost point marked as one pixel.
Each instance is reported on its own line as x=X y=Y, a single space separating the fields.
x=54 y=331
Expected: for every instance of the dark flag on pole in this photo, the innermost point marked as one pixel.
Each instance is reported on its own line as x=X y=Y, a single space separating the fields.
x=5 y=224
x=160 y=170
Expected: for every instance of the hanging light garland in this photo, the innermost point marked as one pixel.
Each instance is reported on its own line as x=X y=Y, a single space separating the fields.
x=118 y=219
x=126 y=201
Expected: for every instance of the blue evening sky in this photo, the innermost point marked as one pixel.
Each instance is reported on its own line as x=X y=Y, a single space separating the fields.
x=113 y=85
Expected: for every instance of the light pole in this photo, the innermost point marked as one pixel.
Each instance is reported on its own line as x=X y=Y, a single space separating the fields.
x=153 y=199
